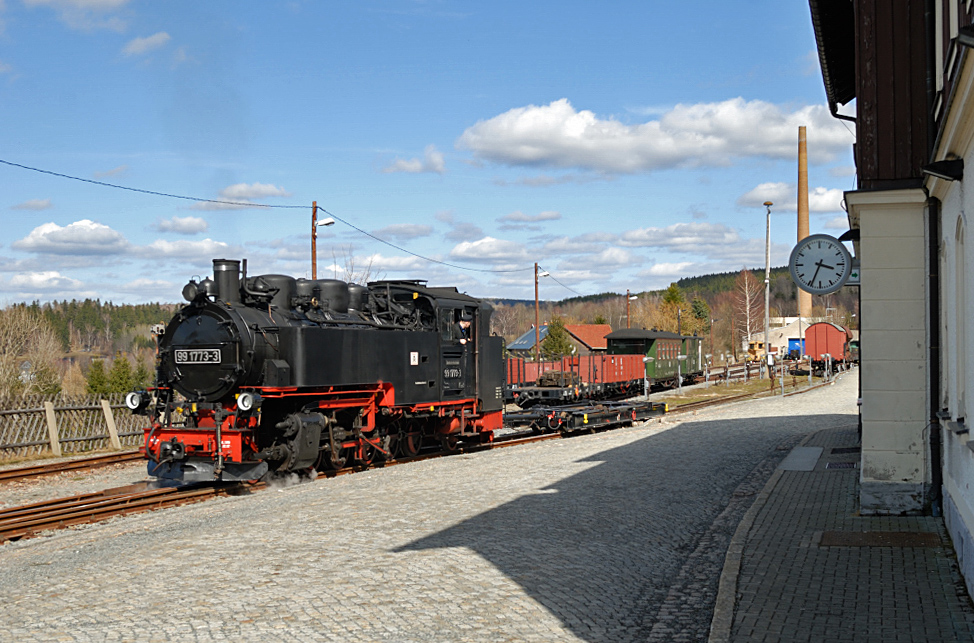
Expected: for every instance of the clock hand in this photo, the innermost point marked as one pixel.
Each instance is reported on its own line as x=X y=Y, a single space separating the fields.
x=818 y=266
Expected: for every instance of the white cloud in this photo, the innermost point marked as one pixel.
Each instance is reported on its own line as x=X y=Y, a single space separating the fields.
x=432 y=161
x=252 y=191
x=613 y=257
x=206 y=249
x=784 y=196
x=825 y=200
x=83 y=237
x=707 y=134
x=681 y=237
x=139 y=46
x=677 y=269
x=85 y=15
x=4 y=67
x=43 y=281
x=148 y=287
x=572 y=246
x=182 y=225
x=404 y=231
x=463 y=231
x=489 y=249
x=547 y=215
x=33 y=204
x=838 y=223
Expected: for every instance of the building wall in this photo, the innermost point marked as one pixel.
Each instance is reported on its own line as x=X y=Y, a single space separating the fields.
x=895 y=475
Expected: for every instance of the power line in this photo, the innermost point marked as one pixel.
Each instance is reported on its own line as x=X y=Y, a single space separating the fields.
x=259 y=205
x=561 y=284
x=409 y=252
x=171 y=196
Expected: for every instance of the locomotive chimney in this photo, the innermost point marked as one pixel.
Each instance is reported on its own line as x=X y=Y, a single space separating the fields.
x=226 y=274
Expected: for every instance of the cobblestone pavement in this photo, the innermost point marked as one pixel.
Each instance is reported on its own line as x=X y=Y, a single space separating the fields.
x=618 y=536
x=794 y=585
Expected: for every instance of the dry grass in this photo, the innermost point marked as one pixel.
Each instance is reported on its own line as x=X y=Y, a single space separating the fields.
x=752 y=387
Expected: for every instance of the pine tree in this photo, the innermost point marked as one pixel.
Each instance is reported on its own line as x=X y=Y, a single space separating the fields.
x=120 y=377
x=97 y=379
x=557 y=344
x=143 y=376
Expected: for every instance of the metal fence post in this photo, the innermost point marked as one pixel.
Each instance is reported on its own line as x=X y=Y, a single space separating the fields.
x=52 y=428
x=110 y=422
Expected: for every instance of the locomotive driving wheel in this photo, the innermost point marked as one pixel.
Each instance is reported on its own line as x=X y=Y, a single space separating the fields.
x=449 y=442
x=410 y=443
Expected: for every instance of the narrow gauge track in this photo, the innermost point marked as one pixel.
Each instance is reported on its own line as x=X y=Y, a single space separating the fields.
x=25 y=521
x=81 y=464
x=28 y=520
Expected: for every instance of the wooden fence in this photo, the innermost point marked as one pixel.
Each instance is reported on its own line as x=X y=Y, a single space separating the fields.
x=61 y=425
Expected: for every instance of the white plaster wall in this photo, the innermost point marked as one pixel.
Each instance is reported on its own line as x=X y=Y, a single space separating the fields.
x=956 y=314
x=895 y=460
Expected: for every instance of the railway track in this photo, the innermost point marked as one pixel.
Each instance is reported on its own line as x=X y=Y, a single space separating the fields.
x=81 y=464
x=28 y=520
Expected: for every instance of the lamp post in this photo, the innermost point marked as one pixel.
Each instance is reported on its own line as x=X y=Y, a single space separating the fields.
x=679 y=321
x=767 y=289
x=628 y=299
x=537 y=314
x=314 y=236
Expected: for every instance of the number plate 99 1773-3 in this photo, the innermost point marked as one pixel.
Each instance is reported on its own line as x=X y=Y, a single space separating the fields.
x=197 y=355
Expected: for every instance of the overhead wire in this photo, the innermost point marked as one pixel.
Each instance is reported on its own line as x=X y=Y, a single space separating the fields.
x=259 y=205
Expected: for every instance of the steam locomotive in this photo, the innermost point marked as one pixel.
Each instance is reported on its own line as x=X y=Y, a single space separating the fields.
x=276 y=374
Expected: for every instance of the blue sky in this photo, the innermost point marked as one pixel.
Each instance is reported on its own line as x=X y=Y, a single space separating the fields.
x=620 y=145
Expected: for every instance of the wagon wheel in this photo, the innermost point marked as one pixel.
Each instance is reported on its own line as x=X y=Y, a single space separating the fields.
x=449 y=442
x=410 y=443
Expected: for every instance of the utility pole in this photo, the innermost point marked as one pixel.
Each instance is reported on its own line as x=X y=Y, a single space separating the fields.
x=767 y=291
x=314 y=239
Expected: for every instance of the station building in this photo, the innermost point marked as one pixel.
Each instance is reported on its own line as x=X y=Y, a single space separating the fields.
x=909 y=67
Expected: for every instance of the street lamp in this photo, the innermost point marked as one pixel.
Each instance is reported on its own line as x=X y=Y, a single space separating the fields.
x=628 y=299
x=537 y=314
x=327 y=221
x=767 y=289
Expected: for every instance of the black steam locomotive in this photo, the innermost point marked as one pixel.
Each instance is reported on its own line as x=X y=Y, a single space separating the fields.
x=276 y=374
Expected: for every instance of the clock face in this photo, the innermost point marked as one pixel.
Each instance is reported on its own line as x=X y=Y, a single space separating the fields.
x=820 y=264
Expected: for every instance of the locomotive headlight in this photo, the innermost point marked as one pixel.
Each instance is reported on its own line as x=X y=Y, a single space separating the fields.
x=248 y=401
x=137 y=401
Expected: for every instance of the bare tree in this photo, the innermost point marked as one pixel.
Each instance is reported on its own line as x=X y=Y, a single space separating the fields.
x=355 y=274
x=29 y=352
x=748 y=304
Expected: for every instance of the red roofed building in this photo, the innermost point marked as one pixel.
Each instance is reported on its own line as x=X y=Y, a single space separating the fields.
x=588 y=338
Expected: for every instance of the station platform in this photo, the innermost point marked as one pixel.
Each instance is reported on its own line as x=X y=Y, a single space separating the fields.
x=803 y=565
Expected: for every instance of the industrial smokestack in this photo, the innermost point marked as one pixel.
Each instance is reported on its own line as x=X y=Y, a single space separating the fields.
x=804 y=298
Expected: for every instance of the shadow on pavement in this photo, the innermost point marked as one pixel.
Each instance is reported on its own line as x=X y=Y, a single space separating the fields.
x=605 y=549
